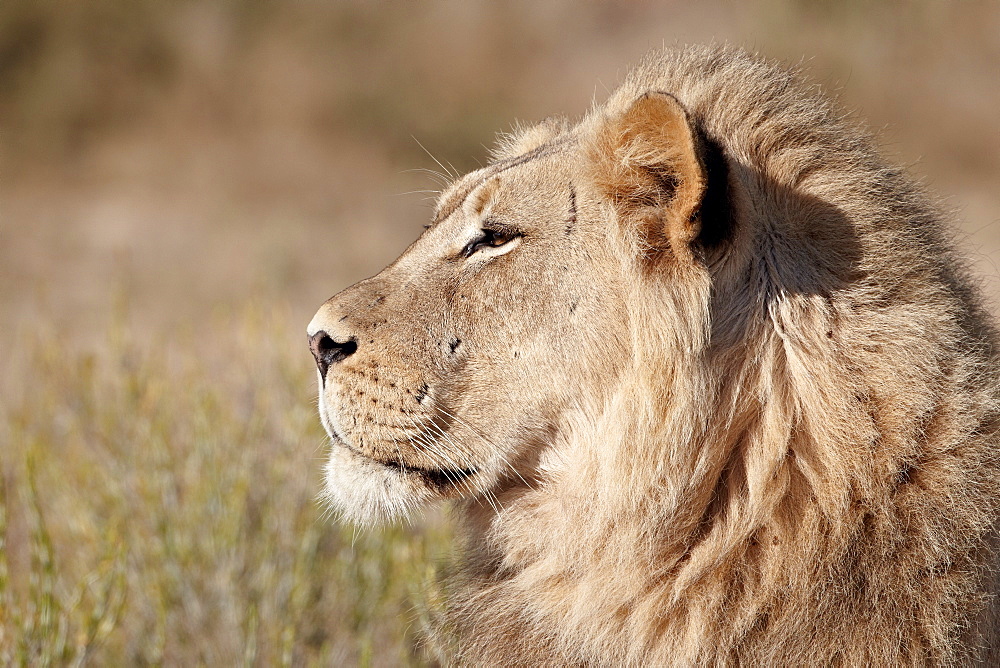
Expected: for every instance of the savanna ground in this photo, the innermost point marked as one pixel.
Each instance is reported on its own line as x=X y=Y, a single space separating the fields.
x=182 y=184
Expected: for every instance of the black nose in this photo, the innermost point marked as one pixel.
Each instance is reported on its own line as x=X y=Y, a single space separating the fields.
x=327 y=351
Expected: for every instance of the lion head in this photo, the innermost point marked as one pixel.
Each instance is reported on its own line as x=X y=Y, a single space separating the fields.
x=448 y=373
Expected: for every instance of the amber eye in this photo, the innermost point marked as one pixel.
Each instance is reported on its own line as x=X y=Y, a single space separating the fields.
x=489 y=238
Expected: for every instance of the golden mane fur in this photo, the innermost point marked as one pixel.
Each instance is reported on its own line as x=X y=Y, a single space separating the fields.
x=795 y=460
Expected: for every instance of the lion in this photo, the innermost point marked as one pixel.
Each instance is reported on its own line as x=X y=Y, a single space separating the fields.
x=706 y=383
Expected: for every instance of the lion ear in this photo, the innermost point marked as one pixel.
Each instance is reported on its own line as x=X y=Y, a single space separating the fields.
x=648 y=162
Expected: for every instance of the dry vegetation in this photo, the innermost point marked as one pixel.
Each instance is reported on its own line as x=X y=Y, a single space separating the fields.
x=182 y=183
x=159 y=514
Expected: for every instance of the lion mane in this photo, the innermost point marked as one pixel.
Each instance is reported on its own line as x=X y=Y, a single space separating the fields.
x=798 y=464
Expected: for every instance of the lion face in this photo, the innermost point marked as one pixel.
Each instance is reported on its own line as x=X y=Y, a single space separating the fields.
x=447 y=374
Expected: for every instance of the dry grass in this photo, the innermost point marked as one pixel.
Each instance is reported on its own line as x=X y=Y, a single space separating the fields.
x=181 y=184
x=158 y=515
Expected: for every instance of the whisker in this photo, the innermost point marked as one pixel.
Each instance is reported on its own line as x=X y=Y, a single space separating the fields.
x=453 y=173
x=418 y=192
x=399 y=454
x=493 y=446
x=439 y=456
x=437 y=177
x=479 y=486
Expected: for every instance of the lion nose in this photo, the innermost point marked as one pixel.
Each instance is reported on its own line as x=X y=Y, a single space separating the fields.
x=327 y=351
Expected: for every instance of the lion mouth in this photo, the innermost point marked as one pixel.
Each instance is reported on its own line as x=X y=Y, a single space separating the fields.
x=439 y=478
x=433 y=477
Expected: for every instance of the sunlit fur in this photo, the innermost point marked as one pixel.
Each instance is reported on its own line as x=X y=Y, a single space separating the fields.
x=786 y=453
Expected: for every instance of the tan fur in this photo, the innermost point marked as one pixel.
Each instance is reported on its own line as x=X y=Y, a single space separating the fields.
x=727 y=399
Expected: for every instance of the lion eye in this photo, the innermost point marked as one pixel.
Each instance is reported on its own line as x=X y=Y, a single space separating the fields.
x=489 y=238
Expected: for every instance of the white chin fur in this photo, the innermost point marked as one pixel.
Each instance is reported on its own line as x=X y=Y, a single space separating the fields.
x=365 y=492
x=362 y=491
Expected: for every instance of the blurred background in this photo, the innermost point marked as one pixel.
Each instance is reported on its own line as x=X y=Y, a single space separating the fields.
x=182 y=184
